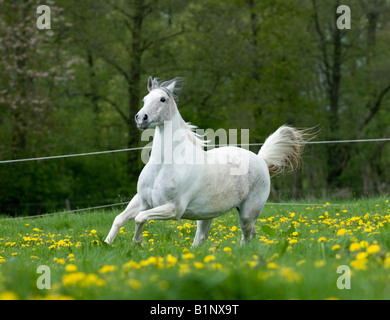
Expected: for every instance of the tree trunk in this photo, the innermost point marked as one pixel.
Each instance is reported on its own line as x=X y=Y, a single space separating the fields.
x=336 y=152
x=140 y=11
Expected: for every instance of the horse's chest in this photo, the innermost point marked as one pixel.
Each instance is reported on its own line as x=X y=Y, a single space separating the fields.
x=158 y=187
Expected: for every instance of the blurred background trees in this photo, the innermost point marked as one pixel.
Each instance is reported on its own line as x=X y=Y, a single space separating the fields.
x=247 y=64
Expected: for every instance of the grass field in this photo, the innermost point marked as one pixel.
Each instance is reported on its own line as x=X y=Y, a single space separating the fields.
x=295 y=255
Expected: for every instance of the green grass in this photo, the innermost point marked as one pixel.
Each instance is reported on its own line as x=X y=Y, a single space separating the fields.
x=295 y=255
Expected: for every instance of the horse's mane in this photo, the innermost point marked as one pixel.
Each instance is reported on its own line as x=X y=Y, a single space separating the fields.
x=195 y=138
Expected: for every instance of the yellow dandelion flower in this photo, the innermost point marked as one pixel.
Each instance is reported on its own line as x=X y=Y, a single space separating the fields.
x=386 y=262
x=198 y=265
x=354 y=247
x=81 y=279
x=188 y=255
x=59 y=261
x=131 y=265
x=335 y=247
x=227 y=249
x=8 y=295
x=361 y=256
x=272 y=265
x=72 y=279
x=322 y=239
x=92 y=280
x=289 y=274
x=107 y=268
x=171 y=260
x=373 y=249
x=208 y=258
x=359 y=264
x=216 y=266
x=341 y=232
x=252 y=264
x=363 y=244
x=71 y=268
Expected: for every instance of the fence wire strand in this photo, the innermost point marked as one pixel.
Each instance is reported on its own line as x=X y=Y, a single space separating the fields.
x=148 y=147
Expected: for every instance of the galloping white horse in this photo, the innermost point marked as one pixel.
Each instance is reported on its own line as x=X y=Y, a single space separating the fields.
x=207 y=187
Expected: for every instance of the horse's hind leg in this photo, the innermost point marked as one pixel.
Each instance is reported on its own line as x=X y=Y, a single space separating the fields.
x=249 y=211
x=202 y=232
x=130 y=212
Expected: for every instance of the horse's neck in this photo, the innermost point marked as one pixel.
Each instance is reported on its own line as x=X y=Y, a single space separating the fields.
x=164 y=143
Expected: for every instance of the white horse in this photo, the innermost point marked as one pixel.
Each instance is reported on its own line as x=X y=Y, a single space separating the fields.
x=205 y=188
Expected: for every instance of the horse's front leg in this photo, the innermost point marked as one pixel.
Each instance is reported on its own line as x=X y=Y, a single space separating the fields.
x=129 y=213
x=165 y=212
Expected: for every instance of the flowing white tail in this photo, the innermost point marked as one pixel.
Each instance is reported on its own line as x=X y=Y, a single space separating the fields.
x=282 y=150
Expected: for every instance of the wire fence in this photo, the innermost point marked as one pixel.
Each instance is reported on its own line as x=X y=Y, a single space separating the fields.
x=148 y=147
x=67 y=211
x=140 y=148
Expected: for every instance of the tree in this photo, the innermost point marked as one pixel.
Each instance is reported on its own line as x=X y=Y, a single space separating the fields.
x=340 y=52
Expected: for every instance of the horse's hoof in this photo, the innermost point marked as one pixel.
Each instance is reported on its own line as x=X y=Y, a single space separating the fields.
x=137 y=243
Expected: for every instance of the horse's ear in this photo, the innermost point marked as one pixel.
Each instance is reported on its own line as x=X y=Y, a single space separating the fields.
x=152 y=83
x=171 y=86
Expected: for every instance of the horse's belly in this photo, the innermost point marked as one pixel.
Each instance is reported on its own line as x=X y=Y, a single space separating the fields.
x=197 y=215
x=211 y=205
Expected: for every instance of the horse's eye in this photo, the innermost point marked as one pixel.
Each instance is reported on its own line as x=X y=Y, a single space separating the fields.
x=162 y=99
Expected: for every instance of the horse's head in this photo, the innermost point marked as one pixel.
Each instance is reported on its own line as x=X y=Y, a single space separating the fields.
x=159 y=104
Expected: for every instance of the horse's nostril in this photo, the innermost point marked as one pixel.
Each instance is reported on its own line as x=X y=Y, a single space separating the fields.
x=145 y=117
x=136 y=116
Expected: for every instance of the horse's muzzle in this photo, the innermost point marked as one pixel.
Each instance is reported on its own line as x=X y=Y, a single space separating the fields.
x=142 y=121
